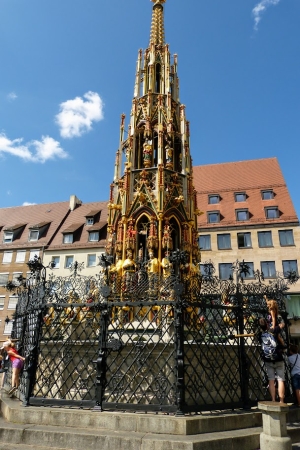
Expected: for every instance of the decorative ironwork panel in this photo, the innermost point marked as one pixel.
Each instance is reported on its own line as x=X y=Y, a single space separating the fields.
x=140 y=356
x=144 y=342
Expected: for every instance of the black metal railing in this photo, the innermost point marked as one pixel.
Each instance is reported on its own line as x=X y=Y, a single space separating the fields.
x=143 y=342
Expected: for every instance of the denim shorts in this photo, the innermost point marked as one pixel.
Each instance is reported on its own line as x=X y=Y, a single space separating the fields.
x=275 y=370
x=296 y=381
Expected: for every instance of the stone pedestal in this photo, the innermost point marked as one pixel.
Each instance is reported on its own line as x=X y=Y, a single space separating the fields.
x=274 y=435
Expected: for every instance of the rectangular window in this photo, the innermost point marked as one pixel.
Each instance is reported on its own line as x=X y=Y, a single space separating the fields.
x=225 y=271
x=33 y=235
x=289 y=266
x=2 y=301
x=3 y=279
x=268 y=269
x=56 y=261
x=16 y=278
x=8 y=237
x=272 y=213
x=12 y=302
x=242 y=214
x=7 y=257
x=244 y=240
x=90 y=220
x=213 y=199
x=224 y=241
x=286 y=238
x=68 y=238
x=213 y=217
x=265 y=239
x=293 y=304
x=8 y=328
x=249 y=272
x=267 y=195
x=91 y=261
x=207 y=270
x=205 y=242
x=33 y=253
x=20 y=257
x=94 y=236
x=69 y=261
x=240 y=197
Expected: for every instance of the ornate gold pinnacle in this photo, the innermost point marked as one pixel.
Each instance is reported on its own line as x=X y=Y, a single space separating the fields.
x=157 y=27
x=158 y=2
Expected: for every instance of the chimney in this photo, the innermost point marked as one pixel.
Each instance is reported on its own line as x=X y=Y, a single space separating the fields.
x=74 y=201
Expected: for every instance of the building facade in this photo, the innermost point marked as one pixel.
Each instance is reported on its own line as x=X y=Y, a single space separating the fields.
x=61 y=233
x=248 y=215
x=80 y=239
x=25 y=232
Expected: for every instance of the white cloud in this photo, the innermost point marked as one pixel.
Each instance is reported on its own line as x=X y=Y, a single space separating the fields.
x=28 y=204
x=34 y=151
x=46 y=149
x=12 y=96
x=260 y=8
x=77 y=116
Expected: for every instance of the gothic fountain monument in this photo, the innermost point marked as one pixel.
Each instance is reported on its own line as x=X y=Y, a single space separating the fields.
x=151 y=332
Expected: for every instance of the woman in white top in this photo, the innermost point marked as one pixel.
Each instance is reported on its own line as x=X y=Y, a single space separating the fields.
x=294 y=362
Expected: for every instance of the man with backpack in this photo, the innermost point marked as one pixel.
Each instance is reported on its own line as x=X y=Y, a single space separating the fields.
x=272 y=354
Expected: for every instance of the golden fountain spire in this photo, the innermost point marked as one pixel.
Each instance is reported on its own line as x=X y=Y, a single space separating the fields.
x=157 y=27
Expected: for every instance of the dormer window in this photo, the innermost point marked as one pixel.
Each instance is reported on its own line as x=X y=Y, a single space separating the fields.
x=213 y=217
x=12 y=233
x=92 y=217
x=38 y=231
x=240 y=196
x=213 y=199
x=8 y=237
x=90 y=221
x=68 y=238
x=267 y=195
x=72 y=233
x=242 y=215
x=33 y=235
x=272 y=213
x=94 y=236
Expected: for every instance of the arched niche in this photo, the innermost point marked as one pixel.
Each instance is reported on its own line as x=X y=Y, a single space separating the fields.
x=142 y=228
x=175 y=232
x=158 y=78
x=139 y=145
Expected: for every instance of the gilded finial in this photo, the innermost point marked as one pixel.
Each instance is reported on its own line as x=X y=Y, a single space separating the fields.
x=158 y=2
x=157 y=27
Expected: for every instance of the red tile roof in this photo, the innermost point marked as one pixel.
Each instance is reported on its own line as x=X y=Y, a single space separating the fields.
x=77 y=219
x=251 y=177
x=25 y=216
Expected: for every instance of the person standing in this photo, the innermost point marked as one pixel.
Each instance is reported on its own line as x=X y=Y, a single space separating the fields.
x=294 y=362
x=273 y=357
x=17 y=364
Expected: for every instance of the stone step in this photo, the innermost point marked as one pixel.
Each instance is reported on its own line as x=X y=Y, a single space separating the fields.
x=26 y=447
x=40 y=428
x=42 y=437
x=76 y=439
x=13 y=411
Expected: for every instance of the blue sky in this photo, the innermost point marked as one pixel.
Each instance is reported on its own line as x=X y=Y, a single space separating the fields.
x=67 y=74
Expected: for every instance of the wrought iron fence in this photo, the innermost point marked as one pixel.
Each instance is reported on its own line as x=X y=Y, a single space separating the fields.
x=143 y=342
